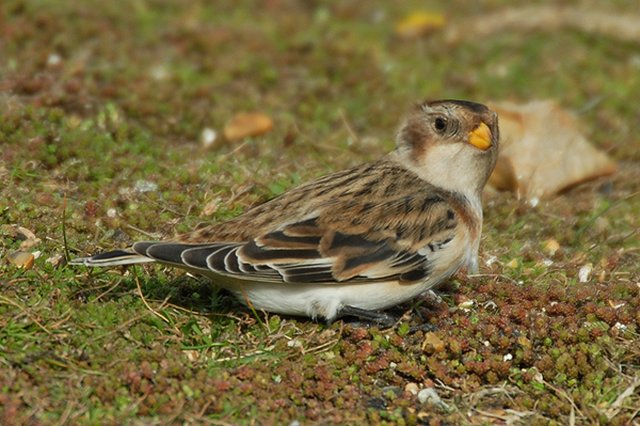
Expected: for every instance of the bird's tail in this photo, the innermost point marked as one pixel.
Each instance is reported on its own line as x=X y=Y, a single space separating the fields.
x=112 y=258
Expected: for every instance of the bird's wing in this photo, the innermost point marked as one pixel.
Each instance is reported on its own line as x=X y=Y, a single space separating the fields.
x=397 y=238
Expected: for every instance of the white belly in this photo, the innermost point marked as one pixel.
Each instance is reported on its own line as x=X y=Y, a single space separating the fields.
x=325 y=300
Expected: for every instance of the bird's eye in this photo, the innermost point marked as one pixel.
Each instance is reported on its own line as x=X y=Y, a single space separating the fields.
x=440 y=124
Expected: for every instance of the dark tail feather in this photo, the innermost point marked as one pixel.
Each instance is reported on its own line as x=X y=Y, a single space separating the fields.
x=112 y=258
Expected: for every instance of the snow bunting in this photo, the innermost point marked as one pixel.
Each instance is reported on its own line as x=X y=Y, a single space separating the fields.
x=356 y=241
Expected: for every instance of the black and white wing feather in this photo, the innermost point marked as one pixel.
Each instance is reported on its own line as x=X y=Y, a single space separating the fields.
x=391 y=240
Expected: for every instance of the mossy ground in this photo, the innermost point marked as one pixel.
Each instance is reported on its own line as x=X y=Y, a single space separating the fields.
x=98 y=97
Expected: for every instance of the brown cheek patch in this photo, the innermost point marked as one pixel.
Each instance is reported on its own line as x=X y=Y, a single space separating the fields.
x=415 y=135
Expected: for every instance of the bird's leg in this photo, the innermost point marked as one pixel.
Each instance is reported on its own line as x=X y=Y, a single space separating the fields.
x=375 y=317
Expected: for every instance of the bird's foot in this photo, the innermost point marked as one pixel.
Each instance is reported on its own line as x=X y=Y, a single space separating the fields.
x=368 y=317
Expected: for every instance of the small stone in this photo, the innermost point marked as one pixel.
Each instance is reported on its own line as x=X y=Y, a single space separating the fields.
x=143 y=186
x=159 y=72
x=54 y=59
x=294 y=343
x=615 y=304
x=55 y=260
x=208 y=137
x=507 y=357
x=619 y=326
x=430 y=395
x=513 y=264
x=602 y=277
x=21 y=259
x=602 y=225
x=21 y=233
x=491 y=260
x=466 y=304
x=585 y=272
x=538 y=377
x=211 y=207
x=30 y=242
x=412 y=388
x=192 y=355
x=551 y=247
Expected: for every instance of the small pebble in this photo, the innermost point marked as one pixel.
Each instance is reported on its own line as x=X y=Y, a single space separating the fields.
x=551 y=247
x=55 y=260
x=585 y=273
x=619 y=326
x=491 y=260
x=430 y=395
x=208 y=137
x=143 y=186
x=466 y=304
x=513 y=264
x=412 y=388
x=54 y=59
x=159 y=72
x=294 y=343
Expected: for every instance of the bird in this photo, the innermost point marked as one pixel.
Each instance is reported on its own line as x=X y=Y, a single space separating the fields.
x=358 y=241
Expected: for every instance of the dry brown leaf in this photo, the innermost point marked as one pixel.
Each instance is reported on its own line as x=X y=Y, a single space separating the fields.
x=21 y=259
x=418 y=24
x=547 y=18
x=543 y=151
x=432 y=343
x=246 y=124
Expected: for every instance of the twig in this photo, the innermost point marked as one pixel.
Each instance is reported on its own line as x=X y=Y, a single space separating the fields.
x=247 y=355
x=253 y=310
x=153 y=311
x=614 y=408
x=350 y=130
x=143 y=232
x=26 y=311
x=204 y=314
x=64 y=228
x=563 y=394
x=122 y=326
x=107 y=291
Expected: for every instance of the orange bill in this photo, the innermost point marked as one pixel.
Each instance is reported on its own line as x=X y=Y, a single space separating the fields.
x=480 y=137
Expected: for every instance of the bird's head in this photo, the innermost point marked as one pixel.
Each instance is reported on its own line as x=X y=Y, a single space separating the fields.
x=451 y=144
